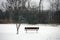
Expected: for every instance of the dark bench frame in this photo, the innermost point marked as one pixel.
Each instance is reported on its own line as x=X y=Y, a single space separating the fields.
x=32 y=28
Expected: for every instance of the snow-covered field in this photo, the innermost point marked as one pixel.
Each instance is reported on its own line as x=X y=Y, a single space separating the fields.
x=45 y=32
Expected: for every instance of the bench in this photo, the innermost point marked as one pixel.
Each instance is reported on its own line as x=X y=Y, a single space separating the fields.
x=32 y=28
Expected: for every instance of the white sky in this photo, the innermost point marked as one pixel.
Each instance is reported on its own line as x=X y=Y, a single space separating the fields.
x=45 y=4
x=2 y=1
x=36 y=2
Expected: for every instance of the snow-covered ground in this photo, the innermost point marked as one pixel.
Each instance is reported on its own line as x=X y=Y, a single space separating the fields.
x=45 y=32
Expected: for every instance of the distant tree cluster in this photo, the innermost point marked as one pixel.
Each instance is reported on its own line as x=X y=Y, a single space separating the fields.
x=17 y=12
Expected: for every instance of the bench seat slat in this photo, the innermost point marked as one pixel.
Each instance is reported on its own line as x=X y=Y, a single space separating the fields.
x=31 y=27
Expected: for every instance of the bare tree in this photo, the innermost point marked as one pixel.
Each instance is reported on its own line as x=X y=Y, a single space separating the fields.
x=29 y=4
x=54 y=6
x=57 y=5
x=40 y=5
x=13 y=7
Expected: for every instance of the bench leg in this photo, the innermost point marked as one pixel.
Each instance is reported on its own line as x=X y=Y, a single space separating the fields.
x=36 y=31
x=26 y=31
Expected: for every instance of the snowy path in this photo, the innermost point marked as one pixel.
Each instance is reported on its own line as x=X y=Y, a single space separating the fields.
x=46 y=32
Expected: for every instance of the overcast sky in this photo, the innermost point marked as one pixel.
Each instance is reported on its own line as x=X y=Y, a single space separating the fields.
x=2 y=1
x=34 y=2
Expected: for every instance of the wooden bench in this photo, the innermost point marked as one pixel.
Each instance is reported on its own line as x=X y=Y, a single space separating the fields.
x=32 y=28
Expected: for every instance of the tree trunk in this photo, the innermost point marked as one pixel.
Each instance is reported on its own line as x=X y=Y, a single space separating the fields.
x=17 y=26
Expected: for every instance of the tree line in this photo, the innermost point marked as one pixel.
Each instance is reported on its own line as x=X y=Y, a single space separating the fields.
x=17 y=12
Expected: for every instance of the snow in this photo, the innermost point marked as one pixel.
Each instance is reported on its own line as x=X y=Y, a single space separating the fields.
x=45 y=32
